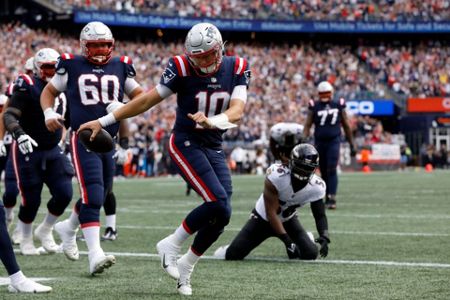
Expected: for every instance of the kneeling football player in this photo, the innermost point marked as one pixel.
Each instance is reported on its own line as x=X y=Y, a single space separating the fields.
x=290 y=183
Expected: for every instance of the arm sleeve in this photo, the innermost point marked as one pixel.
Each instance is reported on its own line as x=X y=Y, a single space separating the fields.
x=318 y=211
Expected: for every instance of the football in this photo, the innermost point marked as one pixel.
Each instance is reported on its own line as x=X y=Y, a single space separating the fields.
x=102 y=143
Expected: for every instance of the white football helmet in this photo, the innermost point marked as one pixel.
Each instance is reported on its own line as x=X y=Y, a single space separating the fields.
x=283 y=137
x=29 y=65
x=44 y=63
x=325 y=90
x=92 y=33
x=204 y=47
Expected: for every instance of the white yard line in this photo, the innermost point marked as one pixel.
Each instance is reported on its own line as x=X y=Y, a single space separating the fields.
x=320 y=261
x=388 y=233
x=331 y=215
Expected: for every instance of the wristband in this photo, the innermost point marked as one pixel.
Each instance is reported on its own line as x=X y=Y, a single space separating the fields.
x=49 y=113
x=221 y=121
x=107 y=120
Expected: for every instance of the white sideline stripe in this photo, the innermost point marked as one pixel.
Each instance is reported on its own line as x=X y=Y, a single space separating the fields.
x=332 y=231
x=6 y=281
x=321 y=261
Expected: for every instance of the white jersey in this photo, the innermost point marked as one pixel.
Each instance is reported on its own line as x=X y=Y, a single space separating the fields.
x=280 y=176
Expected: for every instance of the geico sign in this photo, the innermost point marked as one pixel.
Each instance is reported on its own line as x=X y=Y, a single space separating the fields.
x=362 y=107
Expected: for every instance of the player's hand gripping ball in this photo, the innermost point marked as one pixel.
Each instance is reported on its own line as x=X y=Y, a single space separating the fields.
x=102 y=143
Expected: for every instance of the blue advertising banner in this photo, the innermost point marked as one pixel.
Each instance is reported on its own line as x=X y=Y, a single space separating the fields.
x=380 y=107
x=154 y=21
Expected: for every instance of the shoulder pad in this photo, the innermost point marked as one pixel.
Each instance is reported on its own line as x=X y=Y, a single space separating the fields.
x=240 y=65
x=62 y=62
x=9 y=89
x=182 y=65
x=341 y=101
x=67 y=56
x=23 y=82
x=126 y=60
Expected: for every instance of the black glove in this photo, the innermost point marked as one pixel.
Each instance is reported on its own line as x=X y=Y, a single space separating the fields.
x=124 y=143
x=291 y=248
x=352 y=151
x=323 y=241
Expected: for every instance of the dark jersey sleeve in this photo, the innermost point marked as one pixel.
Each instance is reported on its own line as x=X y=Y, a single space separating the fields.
x=170 y=76
x=242 y=71
x=21 y=93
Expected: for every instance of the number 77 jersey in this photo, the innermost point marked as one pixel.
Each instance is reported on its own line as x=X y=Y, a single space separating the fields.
x=327 y=118
x=89 y=88
x=208 y=94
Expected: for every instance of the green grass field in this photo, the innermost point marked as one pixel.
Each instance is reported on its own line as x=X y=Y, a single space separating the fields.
x=390 y=239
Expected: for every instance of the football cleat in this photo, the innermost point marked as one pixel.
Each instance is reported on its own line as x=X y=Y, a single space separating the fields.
x=28 y=286
x=98 y=262
x=46 y=237
x=68 y=238
x=330 y=204
x=220 y=252
x=184 y=282
x=110 y=234
x=27 y=246
x=168 y=253
x=16 y=236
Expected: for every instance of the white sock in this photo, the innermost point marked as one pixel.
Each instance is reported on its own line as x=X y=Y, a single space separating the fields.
x=111 y=221
x=17 y=277
x=92 y=236
x=74 y=222
x=49 y=220
x=180 y=235
x=9 y=212
x=190 y=258
x=27 y=229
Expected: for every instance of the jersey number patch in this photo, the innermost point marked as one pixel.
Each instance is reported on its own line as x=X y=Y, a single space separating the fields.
x=212 y=104
x=91 y=93
x=323 y=114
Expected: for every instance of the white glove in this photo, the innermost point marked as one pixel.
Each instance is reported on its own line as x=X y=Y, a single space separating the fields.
x=113 y=106
x=26 y=144
x=2 y=149
x=121 y=156
x=49 y=114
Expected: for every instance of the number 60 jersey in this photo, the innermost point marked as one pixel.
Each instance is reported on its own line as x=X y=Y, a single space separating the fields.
x=89 y=88
x=208 y=94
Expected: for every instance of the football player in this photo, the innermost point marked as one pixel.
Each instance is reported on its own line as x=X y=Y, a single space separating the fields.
x=328 y=115
x=290 y=183
x=211 y=93
x=19 y=282
x=36 y=155
x=11 y=190
x=94 y=82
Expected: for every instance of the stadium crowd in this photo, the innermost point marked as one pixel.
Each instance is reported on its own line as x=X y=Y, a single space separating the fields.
x=338 y=10
x=284 y=78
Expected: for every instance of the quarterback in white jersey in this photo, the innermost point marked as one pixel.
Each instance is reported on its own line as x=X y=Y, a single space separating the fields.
x=289 y=184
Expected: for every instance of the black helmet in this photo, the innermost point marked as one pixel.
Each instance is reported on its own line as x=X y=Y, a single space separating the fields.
x=303 y=161
x=283 y=137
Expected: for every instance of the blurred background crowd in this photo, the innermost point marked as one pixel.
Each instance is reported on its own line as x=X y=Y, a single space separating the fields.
x=349 y=10
x=284 y=75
